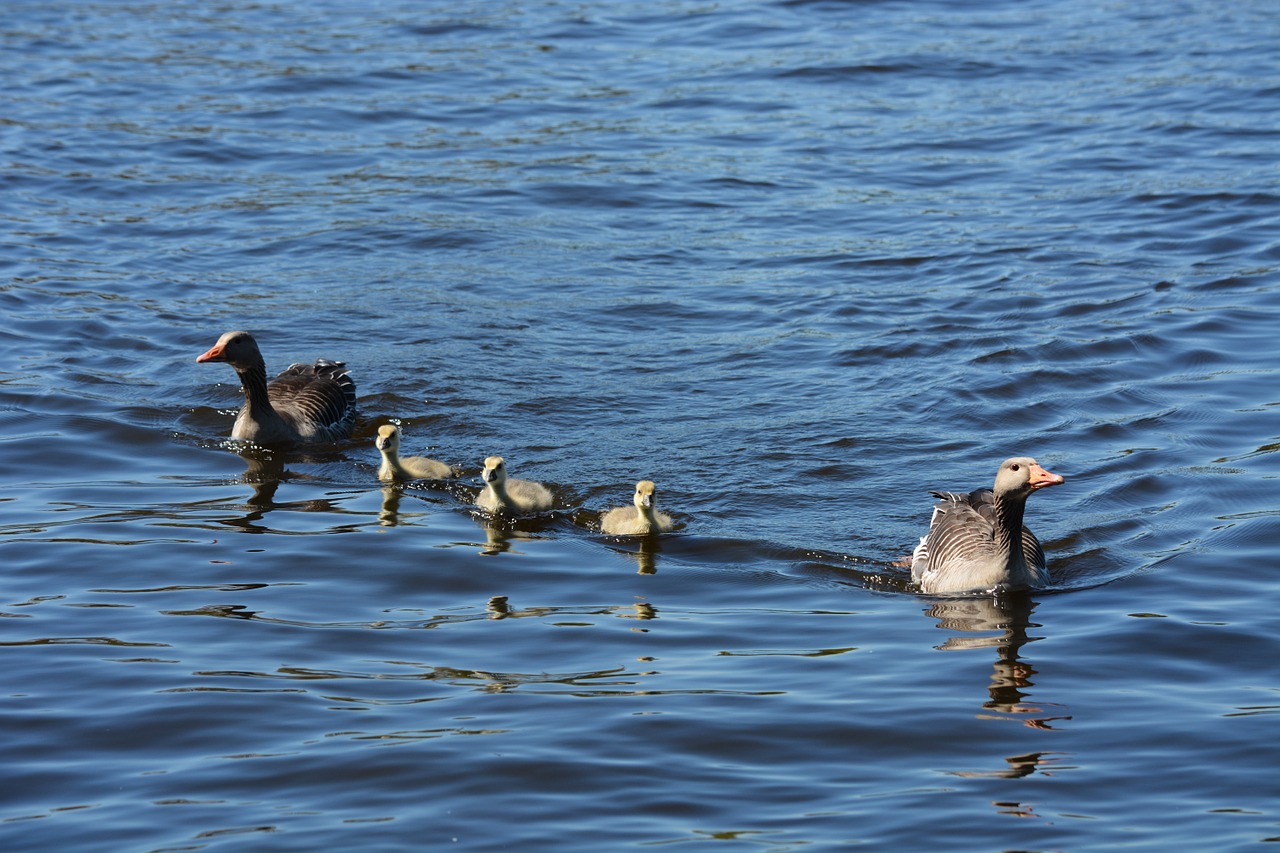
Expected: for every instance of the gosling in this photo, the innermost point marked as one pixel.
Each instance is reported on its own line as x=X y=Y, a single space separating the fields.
x=518 y=497
x=643 y=520
x=410 y=467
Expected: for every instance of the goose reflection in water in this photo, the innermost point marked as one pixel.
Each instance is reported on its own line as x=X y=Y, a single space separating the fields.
x=1004 y=621
x=264 y=472
x=499 y=607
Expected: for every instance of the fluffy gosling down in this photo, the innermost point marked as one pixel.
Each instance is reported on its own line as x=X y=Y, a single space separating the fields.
x=410 y=467
x=640 y=521
x=519 y=497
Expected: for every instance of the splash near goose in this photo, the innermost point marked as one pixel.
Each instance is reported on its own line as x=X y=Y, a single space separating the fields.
x=397 y=467
x=641 y=519
x=305 y=404
x=517 y=497
x=977 y=541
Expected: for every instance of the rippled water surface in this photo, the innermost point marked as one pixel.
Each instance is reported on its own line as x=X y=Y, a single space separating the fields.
x=797 y=262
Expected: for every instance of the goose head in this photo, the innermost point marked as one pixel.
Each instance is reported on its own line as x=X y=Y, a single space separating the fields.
x=237 y=349
x=495 y=471
x=1022 y=475
x=388 y=439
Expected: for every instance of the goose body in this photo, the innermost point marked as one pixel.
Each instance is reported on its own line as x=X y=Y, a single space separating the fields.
x=305 y=404
x=977 y=541
x=396 y=467
x=639 y=520
x=518 y=497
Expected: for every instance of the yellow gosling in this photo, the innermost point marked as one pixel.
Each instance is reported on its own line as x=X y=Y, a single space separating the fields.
x=410 y=467
x=518 y=497
x=640 y=521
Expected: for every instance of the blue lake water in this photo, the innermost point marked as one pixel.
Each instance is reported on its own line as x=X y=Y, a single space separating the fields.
x=797 y=262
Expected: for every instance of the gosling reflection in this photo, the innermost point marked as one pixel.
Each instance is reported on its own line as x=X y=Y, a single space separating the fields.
x=502 y=534
x=645 y=555
x=644 y=611
x=498 y=607
x=1004 y=620
x=389 y=514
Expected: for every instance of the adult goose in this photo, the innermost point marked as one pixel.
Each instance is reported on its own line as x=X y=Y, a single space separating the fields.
x=977 y=542
x=641 y=520
x=307 y=403
x=518 y=497
x=397 y=467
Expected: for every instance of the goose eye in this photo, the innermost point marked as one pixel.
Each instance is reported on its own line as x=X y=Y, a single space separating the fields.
x=1014 y=467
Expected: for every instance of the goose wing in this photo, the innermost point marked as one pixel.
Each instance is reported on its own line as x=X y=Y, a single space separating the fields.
x=960 y=533
x=1034 y=555
x=319 y=399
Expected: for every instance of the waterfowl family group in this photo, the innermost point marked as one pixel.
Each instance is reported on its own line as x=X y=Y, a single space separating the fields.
x=976 y=542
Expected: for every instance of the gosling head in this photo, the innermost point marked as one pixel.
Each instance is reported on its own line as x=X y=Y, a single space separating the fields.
x=645 y=493
x=388 y=439
x=495 y=470
x=1023 y=475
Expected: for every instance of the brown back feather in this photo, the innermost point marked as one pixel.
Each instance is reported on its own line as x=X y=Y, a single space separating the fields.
x=319 y=399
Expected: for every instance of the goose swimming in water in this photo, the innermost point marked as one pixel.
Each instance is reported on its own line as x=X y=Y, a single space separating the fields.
x=518 y=497
x=307 y=403
x=977 y=542
x=641 y=520
x=396 y=467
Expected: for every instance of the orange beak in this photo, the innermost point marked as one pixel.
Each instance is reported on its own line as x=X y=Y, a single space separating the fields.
x=1041 y=478
x=215 y=354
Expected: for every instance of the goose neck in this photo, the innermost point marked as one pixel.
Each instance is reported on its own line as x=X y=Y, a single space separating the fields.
x=253 y=378
x=1008 y=525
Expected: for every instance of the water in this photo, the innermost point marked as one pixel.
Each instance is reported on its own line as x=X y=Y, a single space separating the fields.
x=797 y=262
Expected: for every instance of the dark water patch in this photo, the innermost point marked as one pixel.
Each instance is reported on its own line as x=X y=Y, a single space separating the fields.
x=839 y=74
x=451 y=28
